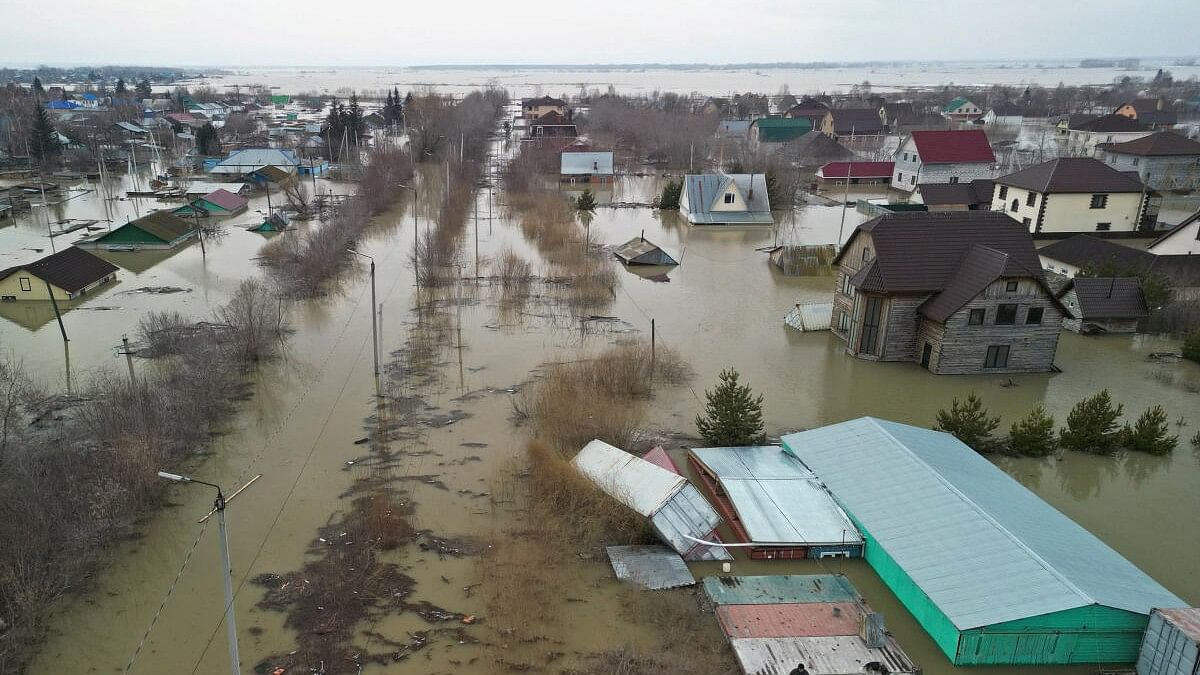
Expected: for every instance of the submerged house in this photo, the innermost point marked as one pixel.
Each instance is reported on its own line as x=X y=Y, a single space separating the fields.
x=218 y=203
x=158 y=230
x=1103 y=304
x=726 y=199
x=1074 y=194
x=858 y=173
x=586 y=166
x=771 y=500
x=942 y=157
x=995 y=575
x=248 y=161
x=638 y=251
x=956 y=292
x=68 y=274
x=552 y=125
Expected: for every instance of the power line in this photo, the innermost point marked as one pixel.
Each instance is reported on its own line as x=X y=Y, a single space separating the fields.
x=178 y=575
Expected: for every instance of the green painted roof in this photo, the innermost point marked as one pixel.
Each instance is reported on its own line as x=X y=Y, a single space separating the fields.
x=781 y=129
x=954 y=105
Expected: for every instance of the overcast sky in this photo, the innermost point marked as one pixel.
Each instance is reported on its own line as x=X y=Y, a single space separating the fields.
x=251 y=33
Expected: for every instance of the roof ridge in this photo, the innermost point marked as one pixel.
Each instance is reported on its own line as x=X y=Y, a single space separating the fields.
x=981 y=511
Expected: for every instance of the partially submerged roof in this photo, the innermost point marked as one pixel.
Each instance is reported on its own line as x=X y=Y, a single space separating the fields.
x=651 y=567
x=857 y=170
x=162 y=225
x=586 y=163
x=70 y=269
x=778 y=501
x=702 y=192
x=1108 y=297
x=778 y=620
x=786 y=588
x=981 y=546
x=640 y=251
x=922 y=251
x=226 y=200
x=252 y=159
x=203 y=187
x=1072 y=175
x=1161 y=144
x=953 y=147
x=823 y=655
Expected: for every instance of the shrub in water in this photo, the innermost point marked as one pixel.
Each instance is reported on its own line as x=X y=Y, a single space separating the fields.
x=733 y=415
x=968 y=421
x=1150 y=433
x=1033 y=436
x=1092 y=425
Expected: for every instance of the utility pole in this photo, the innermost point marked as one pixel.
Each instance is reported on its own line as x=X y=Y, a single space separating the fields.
x=374 y=322
x=128 y=359
x=846 y=193
x=57 y=314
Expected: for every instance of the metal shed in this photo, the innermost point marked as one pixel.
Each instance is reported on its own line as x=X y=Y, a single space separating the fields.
x=674 y=506
x=1171 y=645
x=638 y=251
x=994 y=574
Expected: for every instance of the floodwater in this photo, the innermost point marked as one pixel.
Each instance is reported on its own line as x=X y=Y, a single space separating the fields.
x=710 y=80
x=722 y=307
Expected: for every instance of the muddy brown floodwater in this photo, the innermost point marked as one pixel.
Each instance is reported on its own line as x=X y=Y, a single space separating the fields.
x=723 y=306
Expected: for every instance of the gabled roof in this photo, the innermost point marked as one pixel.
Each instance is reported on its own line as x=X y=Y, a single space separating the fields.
x=703 y=190
x=857 y=169
x=250 y=159
x=226 y=200
x=978 y=191
x=817 y=149
x=1145 y=105
x=1082 y=250
x=1072 y=175
x=70 y=269
x=162 y=225
x=551 y=119
x=1175 y=231
x=781 y=129
x=585 y=163
x=856 y=121
x=920 y=251
x=544 y=100
x=1109 y=124
x=980 y=266
x=957 y=103
x=983 y=548
x=1107 y=297
x=953 y=147
x=1161 y=144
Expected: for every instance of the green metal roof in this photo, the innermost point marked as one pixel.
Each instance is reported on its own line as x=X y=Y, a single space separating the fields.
x=781 y=129
x=955 y=104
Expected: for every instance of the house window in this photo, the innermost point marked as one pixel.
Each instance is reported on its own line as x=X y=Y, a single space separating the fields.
x=1035 y=315
x=1031 y=199
x=900 y=177
x=1006 y=315
x=729 y=197
x=844 y=322
x=1003 y=192
x=870 y=328
x=1010 y=287
x=912 y=180
x=25 y=284
x=997 y=357
x=1103 y=227
x=866 y=254
x=1016 y=205
x=906 y=156
x=847 y=287
x=1136 y=160
x=1099 y=201
x=976 y=317
x=953 y=180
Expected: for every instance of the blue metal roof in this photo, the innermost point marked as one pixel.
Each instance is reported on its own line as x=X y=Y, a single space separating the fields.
x=702 y=191
x=978 y=543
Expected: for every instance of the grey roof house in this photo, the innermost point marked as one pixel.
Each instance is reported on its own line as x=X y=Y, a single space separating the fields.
x=726 y=199
x=1103 y=304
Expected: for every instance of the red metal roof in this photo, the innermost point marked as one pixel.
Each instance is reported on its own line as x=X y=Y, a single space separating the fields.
x=1187 y=620
x=659 y=457
x=226 y=200
x=819 y=619
x=952 y=147
x=858 y=169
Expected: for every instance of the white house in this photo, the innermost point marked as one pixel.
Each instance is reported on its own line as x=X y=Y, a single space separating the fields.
x=1183 y=239
x=1004 y=115
x=942 y=157
x=1163 y=160
x=726 y=199
x=961 y=110
x=1072 y=194
x=1084 y=136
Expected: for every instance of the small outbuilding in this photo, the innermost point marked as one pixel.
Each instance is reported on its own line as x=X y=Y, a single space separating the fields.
x=218 y=203
x=858 y=173
x=1171 y=645
x=1103 y=304
x=158 y=230
x=639 y=251
x=68 y=274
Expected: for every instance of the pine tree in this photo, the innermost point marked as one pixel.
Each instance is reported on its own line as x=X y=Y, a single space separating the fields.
x=669 y=199
x=774 y=194
x=1034 y=435
x=388 y=108
x=207 y=142
x=968 y=421
x=353 y=120
x=399 y=107
x=1092 y=425
x=143 y=89
x=733 y=415
x=43 y=141
x=586 y=201
x=37 y=86
x=1150 y=434
x=121 y=90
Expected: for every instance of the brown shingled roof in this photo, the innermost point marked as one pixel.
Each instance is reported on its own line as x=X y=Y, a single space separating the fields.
x=1108 y=297
x=1161 y=144
x=70 y=269
x=1072 y=175
x=978 y=191
x=979 y=267
x=1109 y=124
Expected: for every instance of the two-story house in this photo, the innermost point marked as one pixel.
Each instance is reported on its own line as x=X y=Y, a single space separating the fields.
x=533 y=108
x=942 y=157
x=1149 y=112
x=1072 y=194
x=957 y=292
x=1083 y=136
x=1163 y=160
x=961 y=110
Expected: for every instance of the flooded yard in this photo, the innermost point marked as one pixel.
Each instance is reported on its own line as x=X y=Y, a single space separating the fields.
x=463 y=353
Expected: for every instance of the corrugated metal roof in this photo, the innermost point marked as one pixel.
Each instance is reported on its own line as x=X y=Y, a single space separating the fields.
x=587 y=163
x=639 y=251
x=688 y=513
x=1169 y=645
x=981 y=546
x=652 y=567
x=251 y=159
x=792 y=511
x=812 y=316
x=766 y=462
x=701 y=192
x=659 y=457
x=789 y=620
x=631 y=480
x=834 y=655
x=781 y=589
x=1186 y=619
x=203 y=187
